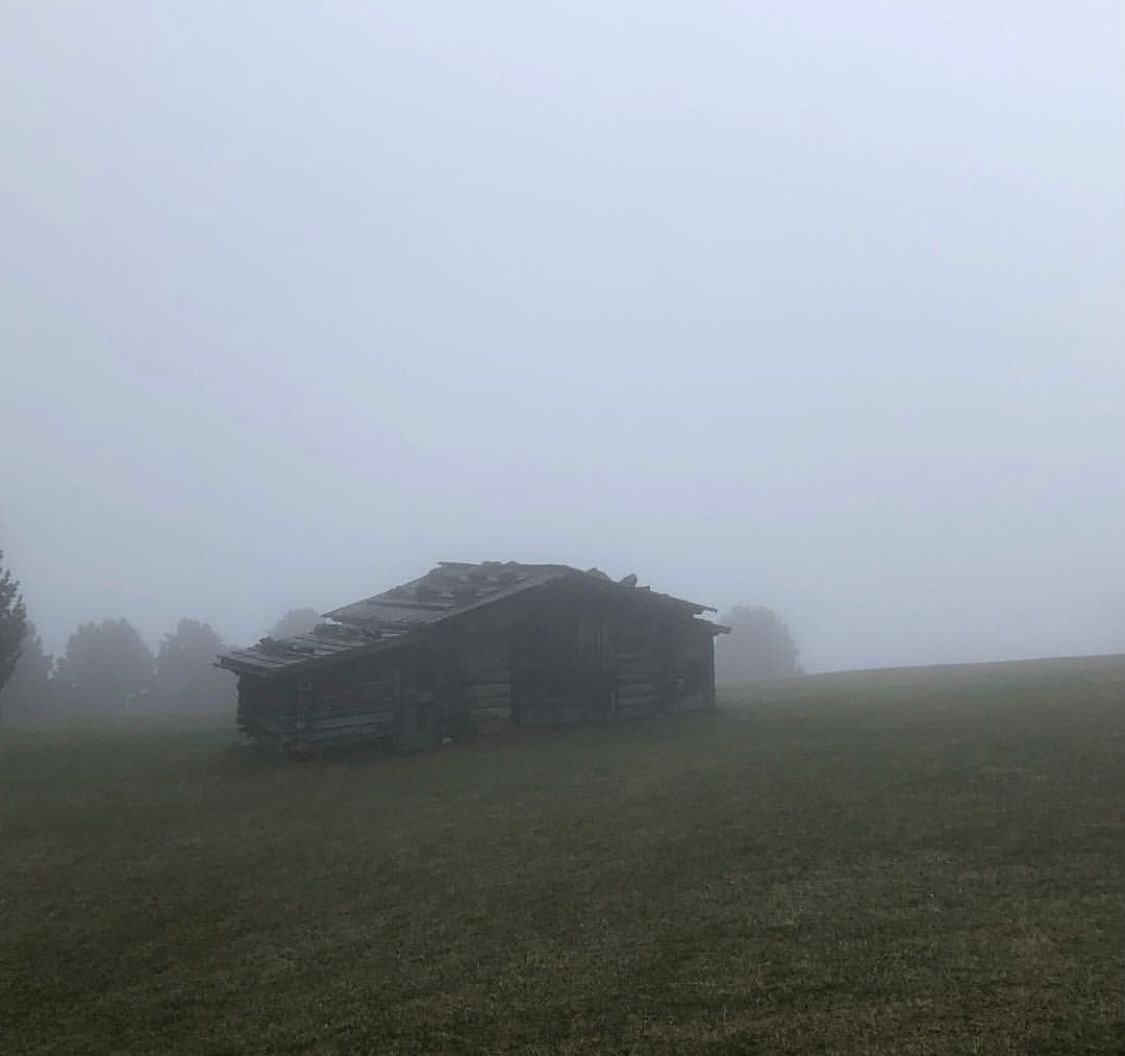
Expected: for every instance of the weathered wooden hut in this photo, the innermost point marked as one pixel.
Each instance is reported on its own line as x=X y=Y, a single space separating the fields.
x=469 y=646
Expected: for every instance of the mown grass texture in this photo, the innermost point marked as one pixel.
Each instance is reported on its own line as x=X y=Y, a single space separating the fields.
x=923 y=861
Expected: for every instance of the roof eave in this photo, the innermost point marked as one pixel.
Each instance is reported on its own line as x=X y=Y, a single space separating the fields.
x=248 y=665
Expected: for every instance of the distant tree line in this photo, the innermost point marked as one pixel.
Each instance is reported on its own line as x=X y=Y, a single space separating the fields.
x=760 y=647
x=107 y=669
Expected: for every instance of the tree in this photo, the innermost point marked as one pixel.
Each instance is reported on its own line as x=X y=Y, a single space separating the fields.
x=295 y=621
x=105 y=667
x=13 y=623
x=186 y=678
x=759 y=647
x=28 y=692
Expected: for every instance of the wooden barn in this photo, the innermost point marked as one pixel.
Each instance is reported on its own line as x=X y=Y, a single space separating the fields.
x=469 y=646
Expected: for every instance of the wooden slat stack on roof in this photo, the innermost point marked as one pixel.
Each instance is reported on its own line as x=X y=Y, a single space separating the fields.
x=451 y=587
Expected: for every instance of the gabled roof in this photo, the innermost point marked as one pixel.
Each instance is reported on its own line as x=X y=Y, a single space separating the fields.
x=445 y=592
x=450 y=588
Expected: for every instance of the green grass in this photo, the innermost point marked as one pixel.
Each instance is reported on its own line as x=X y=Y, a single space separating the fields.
x=924 y=861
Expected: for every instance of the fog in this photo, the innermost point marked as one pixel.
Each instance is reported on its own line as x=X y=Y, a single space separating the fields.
x=818 y=308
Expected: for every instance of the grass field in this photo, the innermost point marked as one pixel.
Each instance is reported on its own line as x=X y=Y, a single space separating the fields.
x=925 y=861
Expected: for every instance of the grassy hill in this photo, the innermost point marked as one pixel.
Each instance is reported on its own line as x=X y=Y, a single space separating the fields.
x=912 y=861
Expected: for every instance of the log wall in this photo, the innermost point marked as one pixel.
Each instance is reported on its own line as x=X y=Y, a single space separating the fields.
x=570 y=664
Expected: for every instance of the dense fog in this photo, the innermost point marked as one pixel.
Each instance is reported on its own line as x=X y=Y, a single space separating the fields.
x=820 y=313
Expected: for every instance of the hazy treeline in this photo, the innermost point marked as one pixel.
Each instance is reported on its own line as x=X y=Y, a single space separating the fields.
x=759 y=647
x=107 y=669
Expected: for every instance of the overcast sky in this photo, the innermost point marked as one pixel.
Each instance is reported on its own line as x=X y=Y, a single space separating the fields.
x=818 y=306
